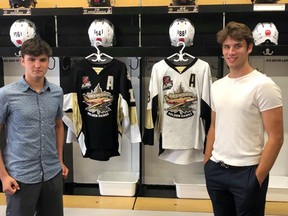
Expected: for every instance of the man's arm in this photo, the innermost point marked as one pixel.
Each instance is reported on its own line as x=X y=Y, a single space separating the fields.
x=273 y=123
x=210 y=138
x=9 y=184
x=60 y=144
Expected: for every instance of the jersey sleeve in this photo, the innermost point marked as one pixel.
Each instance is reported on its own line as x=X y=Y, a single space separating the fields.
x=151 y=114
x=128 y=123
x=206 y=97
x=205 y=113
x=72 y=117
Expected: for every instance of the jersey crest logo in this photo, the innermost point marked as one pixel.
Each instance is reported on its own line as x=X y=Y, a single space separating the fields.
x=167 y=83
x=98 y=102
x=181 y=103
x=85 y=82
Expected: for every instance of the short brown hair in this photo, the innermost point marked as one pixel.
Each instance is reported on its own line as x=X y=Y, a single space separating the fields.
x=35 y=47
x=237 y=31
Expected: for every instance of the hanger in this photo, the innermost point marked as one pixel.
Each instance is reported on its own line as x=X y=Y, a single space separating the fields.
x=97 y=57
x=181 y=54
x=18 y=54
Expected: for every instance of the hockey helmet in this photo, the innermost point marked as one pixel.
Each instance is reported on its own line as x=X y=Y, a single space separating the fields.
x=265 y=33
x=101 y=30
x=181 y=30
x=98 y=3
x=22 y=30
x=22 y=3
x=183 y=2
x=264 y=1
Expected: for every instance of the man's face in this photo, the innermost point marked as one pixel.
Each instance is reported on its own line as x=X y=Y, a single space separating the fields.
x=35 y=66
x=236 y=53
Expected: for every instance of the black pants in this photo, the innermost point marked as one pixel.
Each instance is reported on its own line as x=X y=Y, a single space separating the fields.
x=235 y=191
x=41 y=199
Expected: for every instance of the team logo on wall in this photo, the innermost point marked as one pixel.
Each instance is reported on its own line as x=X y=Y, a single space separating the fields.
x=181 y=103
x=98 y=102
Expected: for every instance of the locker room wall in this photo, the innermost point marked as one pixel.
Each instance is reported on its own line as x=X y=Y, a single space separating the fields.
x=276 y=68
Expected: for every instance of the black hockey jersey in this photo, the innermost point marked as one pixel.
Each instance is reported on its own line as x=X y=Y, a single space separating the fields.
x=178 y=108
x=103 y=108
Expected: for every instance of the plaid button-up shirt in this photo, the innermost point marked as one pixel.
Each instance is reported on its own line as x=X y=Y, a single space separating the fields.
x=30 y=154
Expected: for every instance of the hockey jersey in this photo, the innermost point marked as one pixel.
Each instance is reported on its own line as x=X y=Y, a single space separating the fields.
x=103 y=108
x=178 y=108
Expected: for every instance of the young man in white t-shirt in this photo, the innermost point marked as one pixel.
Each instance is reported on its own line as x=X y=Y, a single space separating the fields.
x=245 y=104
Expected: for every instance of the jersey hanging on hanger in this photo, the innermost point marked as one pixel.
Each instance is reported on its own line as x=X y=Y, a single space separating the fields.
x=103 y=108
x=178 y=110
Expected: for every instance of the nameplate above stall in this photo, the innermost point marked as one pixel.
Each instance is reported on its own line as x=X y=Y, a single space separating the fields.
x=183 y=9
x=17 y=12
x=269 y=7
x=97 y=10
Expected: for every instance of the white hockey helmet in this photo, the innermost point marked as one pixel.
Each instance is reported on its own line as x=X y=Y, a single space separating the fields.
x=181 y=29
x=22 y=3
x=101 y=30
x=98 y=3
x=22 y=30
x=265 y=33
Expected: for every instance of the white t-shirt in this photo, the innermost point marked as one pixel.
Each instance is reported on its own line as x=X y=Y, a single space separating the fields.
x=239 y=130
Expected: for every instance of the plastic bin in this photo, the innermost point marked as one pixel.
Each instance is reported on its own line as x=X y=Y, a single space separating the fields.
x=118 y=183
x=190 y=186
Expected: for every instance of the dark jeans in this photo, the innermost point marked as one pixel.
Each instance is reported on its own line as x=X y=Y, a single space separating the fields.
x=41 y=199
x=235 y=191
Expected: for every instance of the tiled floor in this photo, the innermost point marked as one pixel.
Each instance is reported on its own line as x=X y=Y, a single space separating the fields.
x=76 y=205
x=120 y=212
x=115 y=212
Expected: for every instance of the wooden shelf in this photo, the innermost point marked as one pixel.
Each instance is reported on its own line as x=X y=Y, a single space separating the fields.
x=141 y=31
x=152 y=9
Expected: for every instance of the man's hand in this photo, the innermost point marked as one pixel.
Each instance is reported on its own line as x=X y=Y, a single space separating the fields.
x=10 y=185
x=65 y=171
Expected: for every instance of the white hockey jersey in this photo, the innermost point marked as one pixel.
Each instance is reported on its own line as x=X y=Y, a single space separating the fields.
x=178 y=109
x=103 y=108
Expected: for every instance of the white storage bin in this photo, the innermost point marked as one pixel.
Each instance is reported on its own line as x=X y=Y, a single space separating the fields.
x=118 y=183
x=277 y=189
x=190 y=186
